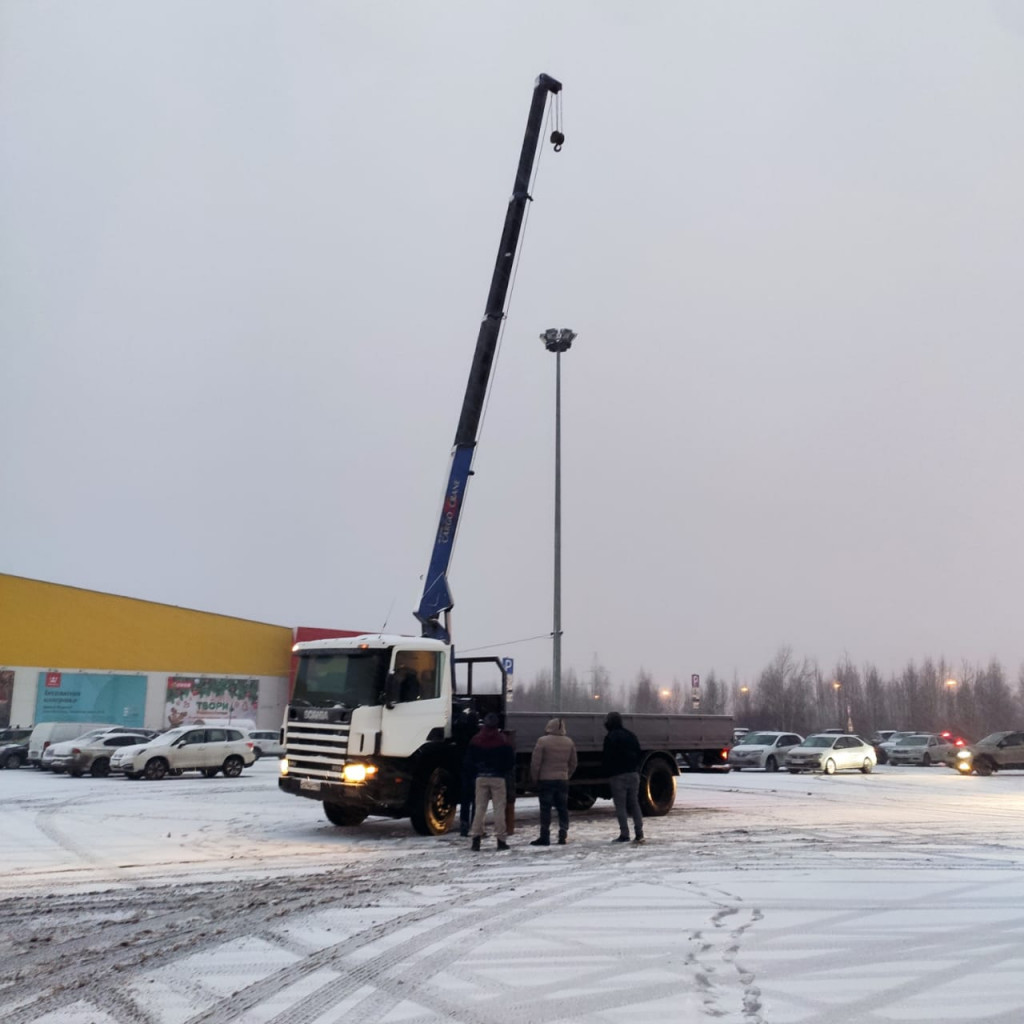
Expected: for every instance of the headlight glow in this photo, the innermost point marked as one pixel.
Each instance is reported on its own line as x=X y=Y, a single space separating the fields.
x=358 y=772
x=964 y=755
x=284 y=766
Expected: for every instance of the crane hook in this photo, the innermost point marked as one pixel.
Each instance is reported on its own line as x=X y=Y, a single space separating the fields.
x=557 y=138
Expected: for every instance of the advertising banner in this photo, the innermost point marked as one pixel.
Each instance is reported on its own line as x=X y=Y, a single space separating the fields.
x=90 y=697
x=200 y=700
x=6 y=695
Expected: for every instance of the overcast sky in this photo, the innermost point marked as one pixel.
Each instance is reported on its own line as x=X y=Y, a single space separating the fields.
x=245 y=248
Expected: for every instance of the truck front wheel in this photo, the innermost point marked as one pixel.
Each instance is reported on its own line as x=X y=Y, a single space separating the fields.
x=657 y=788
x=434 y=804
x=344 y=816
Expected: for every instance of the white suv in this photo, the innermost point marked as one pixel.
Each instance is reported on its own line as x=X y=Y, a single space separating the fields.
x=188 y=748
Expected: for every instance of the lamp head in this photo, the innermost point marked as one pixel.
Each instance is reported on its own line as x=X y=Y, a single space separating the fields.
x=558 y=339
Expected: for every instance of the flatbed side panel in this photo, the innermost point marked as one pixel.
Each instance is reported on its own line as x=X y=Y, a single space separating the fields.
x=655 y=732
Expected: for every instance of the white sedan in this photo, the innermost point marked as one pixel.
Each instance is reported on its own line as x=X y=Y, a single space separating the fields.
x=765 y=750
x=830 y=753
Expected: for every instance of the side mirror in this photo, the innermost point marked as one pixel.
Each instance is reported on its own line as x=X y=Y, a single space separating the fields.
x=391 y=691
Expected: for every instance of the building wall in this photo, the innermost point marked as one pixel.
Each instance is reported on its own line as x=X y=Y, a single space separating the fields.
x=48 y=627
x=49 y=624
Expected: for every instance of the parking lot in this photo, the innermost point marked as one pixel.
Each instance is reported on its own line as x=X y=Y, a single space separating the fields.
x=762 y=898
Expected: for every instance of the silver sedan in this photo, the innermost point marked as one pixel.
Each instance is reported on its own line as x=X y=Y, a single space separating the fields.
x=830 y=753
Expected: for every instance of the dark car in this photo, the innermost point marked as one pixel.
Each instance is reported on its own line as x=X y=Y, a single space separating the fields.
x=14 y=734
x=13 y=755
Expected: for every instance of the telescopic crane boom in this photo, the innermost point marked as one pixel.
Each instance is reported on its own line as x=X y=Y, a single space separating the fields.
x=437 y=599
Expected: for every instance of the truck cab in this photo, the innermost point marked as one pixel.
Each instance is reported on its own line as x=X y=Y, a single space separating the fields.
x=364 y=712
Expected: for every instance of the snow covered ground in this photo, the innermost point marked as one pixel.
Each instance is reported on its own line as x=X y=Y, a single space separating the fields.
x=761 y=899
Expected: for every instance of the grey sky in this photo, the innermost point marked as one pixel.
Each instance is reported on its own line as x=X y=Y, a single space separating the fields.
x=245 y=247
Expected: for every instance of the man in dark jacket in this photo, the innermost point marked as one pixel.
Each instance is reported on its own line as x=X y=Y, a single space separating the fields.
x=491 y=757
x=621 y=762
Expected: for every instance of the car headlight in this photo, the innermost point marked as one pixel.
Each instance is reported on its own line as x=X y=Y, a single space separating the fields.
x=963 y=755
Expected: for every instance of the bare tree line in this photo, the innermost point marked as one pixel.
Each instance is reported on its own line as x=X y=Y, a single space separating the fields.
x=795 y=694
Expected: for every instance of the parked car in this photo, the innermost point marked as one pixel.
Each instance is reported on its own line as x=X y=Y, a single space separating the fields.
x=14 y=734
x=882 y=736
x=884 y=749
x=187 y=748
x=830 y=753
x=92 y=753
x=922 y=748
x=762 y=749
x=266 y=742
x=52 y=758
x=996 y=752
x=46 y=733
x=13 y=755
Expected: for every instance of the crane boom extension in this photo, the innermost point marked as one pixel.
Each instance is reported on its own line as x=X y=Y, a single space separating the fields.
x=437 y=599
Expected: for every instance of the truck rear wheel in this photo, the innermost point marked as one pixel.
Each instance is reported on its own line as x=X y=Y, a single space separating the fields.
x=344 y=816
x=434 y=804
x=657 y=788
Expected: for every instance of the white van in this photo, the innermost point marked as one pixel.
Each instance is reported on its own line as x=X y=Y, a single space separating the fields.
x=46 y=733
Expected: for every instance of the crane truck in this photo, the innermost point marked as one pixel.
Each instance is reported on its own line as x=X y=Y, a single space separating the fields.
x=377 y=724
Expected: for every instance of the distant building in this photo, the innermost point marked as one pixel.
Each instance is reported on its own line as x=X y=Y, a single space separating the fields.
x=68 y=654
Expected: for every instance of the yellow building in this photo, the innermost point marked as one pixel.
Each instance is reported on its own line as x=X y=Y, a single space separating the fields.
x=68 y=655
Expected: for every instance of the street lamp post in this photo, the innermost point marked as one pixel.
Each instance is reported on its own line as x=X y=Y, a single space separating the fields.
x=951 y=685
x=557 y=340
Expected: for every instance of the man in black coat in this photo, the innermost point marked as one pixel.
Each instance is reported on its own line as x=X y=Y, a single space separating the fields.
x=463 y=730
x=621 y=761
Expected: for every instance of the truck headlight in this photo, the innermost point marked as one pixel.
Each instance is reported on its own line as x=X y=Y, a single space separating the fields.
x=358 y=772
x=284 y=766
x=963 y=755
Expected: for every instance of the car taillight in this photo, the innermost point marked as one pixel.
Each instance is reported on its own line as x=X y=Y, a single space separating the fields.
x=249 y=745
x=959 y=743
x=75 y=750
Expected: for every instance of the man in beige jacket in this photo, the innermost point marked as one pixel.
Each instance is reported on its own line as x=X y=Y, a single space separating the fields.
x=551 y=766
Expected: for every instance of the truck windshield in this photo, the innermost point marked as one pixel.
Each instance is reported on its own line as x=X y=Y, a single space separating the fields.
x=350 y=679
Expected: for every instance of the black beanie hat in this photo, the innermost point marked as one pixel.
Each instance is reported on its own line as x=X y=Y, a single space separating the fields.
x=613 y=720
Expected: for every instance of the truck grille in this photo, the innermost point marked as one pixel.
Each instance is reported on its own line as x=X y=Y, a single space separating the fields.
x=316 y=750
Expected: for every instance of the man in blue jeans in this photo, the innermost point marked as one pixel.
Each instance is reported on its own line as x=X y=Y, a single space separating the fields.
x=621 y=763
x=551 y=766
